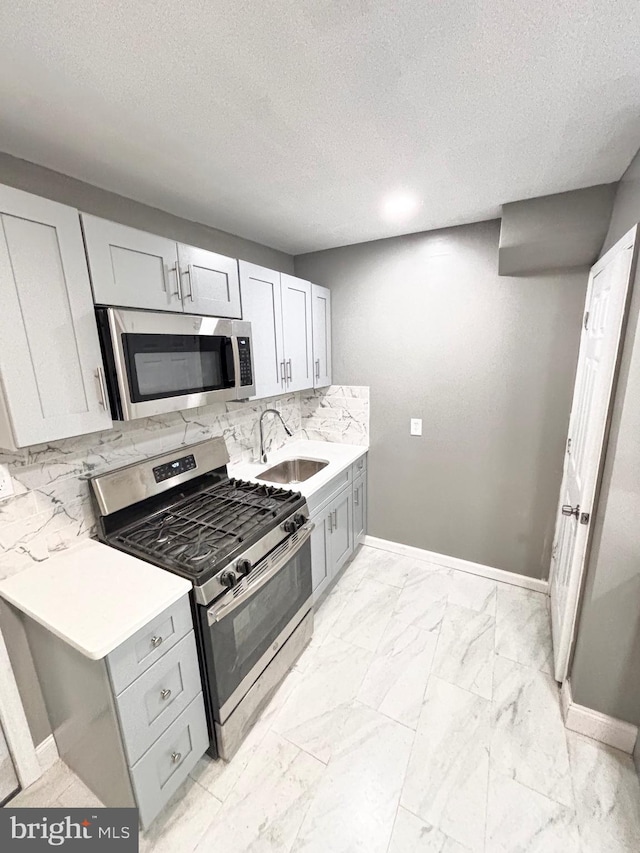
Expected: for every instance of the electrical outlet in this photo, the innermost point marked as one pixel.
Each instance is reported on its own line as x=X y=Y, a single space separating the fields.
x=416 y=426
x=6 y=483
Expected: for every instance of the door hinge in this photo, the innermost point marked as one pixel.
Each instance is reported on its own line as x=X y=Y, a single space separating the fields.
x=586 y=320
x=584 y=518
x=568 y=445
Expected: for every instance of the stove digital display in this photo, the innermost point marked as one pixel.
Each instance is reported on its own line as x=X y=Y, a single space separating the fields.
x=172 y=469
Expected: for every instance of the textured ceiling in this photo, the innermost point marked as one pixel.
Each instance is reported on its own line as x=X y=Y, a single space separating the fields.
x=288 y=122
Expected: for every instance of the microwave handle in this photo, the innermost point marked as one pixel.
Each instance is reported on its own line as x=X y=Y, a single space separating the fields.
x=232 y=361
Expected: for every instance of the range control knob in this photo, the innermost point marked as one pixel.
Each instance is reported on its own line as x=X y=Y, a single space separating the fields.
x=290 y=525
x=244 y=566
x=228 y=579
x=300 y=520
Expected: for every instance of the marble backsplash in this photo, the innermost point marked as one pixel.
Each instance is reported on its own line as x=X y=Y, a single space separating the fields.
x=52 y=509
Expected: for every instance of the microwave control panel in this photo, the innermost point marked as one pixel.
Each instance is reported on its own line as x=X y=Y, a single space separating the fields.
x=244 y=351
x=173 y=468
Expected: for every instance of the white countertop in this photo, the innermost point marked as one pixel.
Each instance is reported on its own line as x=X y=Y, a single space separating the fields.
x=92 y=596
x=339 y=457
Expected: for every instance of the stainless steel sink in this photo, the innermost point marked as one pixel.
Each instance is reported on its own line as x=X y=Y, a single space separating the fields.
x=292 y=470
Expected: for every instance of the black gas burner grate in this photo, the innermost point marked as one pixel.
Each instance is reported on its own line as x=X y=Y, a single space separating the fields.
x=197 y=534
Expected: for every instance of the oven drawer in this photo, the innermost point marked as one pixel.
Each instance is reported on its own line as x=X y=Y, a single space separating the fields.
x=149 y=705
x=163 y=768
x=149 y=644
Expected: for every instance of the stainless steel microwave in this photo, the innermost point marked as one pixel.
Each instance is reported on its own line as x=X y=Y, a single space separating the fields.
x=158 y=362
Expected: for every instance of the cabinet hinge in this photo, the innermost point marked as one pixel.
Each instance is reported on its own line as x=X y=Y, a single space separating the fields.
x=568 y=445
x=586 y=320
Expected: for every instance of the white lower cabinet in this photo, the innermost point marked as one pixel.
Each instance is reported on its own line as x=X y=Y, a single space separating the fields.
x=340 y=524
x=359 y=509
x=133 y=724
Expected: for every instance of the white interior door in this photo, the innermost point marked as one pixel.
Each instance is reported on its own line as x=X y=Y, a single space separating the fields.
x=599 y=346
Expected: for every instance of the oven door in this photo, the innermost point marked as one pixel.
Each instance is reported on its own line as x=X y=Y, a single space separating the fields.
x=161 y=362
x=243 y=631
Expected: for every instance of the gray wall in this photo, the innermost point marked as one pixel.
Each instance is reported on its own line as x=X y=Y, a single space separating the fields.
x=40 y=181
x=488 y=362
x=554 y=231
x=605 y=674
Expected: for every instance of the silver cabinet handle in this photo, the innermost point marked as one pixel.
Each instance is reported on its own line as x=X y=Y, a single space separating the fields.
x=99 y=374
x=356 y=497
x=178 y=290
x=155 y=642
x=176 y=756
x=331 y=522
x=164 y=694
x=317 y=368
x=190 y=274
x=335 y=518
x=289 y=371
x=283 y=375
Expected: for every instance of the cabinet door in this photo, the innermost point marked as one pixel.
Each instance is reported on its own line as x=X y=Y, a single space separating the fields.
x=320 y=555
x=341 y=530
x=209 y=283
x=131 y=268
x=297 y=330
x=359 y=510
x=262 y=306
x=50 y=359
x=321 y=314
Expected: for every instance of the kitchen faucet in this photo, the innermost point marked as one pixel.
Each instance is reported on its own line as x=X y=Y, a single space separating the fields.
x=263 y=455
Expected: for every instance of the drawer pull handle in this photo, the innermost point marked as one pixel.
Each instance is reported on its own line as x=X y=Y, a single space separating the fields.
x=165 y=693
x=155 y=642
x=176 y=757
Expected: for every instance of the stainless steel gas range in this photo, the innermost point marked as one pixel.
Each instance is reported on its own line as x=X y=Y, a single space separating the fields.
x=245 y=548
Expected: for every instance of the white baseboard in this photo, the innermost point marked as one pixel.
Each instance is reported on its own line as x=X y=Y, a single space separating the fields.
x=47 y=753
x=593 y=724
x=457 y=563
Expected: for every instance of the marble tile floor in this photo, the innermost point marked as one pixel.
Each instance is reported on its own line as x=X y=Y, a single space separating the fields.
x=422 y=717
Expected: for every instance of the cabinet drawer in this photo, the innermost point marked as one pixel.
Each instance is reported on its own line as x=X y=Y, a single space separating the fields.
x=163 y=768
x=149 y=644
x=317 y=501
x=149 y=705
x=359 y=467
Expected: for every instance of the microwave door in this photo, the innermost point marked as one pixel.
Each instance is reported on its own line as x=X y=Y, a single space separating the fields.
x=166 y=363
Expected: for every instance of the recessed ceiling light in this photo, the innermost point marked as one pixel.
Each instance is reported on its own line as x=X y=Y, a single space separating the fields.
x=400 y=206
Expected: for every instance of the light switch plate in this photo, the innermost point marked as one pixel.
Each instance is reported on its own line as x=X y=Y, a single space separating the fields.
x=416 y=426
x=6 y=483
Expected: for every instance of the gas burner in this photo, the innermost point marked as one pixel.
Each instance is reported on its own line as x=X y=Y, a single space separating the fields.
x=196 y=552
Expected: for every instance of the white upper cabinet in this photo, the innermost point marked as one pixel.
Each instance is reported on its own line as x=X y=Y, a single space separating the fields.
x=297 y=332
x=281 y=309
x=321 y=313
x=135 y=269
x=131 y=268
x=209 y=282
x=50 y=361
x=262 y=306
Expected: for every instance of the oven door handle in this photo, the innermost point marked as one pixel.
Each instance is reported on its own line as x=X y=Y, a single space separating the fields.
x=230 y=601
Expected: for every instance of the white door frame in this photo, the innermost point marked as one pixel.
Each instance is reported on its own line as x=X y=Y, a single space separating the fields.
x=14 y=724
x=578 y=567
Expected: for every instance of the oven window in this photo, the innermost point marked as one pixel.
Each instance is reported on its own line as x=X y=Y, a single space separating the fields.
x=172 y=365
x=246 y=635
